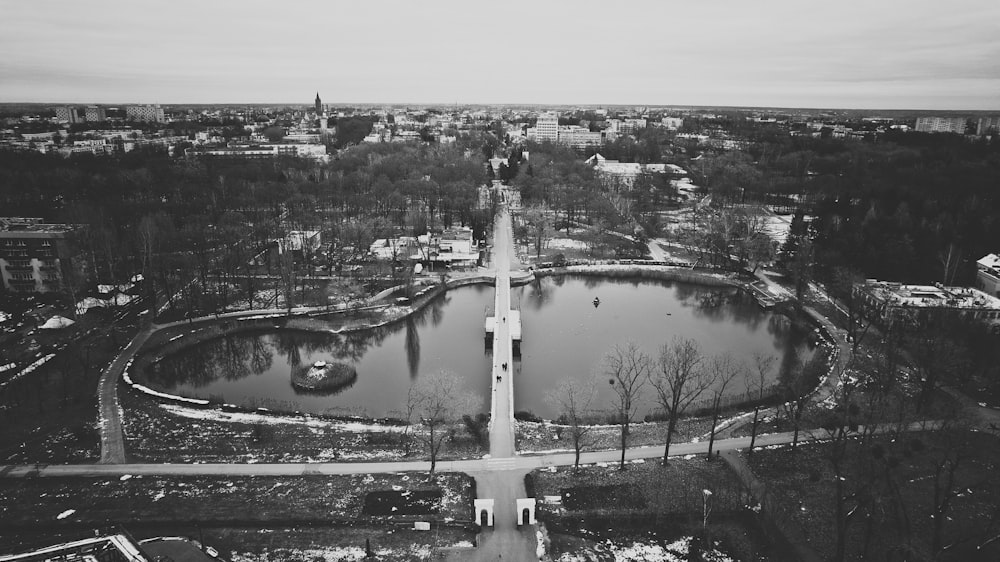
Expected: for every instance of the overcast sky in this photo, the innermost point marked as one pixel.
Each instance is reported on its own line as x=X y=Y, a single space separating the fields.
x=795 y=53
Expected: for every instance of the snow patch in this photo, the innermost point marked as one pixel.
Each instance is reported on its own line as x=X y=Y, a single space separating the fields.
x=253 y=418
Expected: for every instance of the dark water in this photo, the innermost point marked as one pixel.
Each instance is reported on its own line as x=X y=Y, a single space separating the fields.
x=564 y=335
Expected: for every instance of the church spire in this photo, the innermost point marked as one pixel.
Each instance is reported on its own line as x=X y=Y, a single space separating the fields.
x=319 y=105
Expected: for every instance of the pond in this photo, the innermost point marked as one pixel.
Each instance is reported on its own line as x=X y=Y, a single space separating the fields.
x=564 y=334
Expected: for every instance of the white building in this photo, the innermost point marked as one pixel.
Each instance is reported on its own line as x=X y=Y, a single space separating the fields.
x=618 y=176
x=672 y=123
x=922 y=305
x=575 y=136
x=547 y=128
x=941 y=124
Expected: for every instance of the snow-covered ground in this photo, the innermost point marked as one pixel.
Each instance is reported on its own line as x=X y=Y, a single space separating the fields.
x=630 y=551
x=273 y=419
x=566 y=244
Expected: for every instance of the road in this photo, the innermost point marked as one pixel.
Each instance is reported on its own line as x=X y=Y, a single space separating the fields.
x=514 y=465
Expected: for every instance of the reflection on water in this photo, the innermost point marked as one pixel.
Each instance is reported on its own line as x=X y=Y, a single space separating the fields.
x=564 y=335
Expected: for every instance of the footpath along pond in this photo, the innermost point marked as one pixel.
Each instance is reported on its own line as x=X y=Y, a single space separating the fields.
x=564 y=334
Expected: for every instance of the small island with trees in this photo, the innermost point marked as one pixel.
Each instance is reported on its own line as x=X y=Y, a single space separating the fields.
x=322 y=376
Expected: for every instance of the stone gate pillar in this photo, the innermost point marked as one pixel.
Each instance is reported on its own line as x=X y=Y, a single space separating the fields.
x=484 y=506
x=525 y=511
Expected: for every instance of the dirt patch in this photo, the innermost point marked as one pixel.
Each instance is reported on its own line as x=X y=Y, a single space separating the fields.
x=67 y=503
x=620 y=496
x=802 y=486
x=402 y=502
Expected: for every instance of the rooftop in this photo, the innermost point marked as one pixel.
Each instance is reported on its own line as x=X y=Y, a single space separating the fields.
x=989 y=261
x=31 y=224
x=931 y=296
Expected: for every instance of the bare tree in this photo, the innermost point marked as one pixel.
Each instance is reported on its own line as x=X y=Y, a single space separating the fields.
x=435 y=401
x=679 y=380
x=627 y=368
x=574 y=399
x=755 y=383
x=723 y=371
x=539 y=228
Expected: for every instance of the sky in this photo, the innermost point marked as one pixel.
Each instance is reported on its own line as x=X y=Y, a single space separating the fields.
x=864 y=54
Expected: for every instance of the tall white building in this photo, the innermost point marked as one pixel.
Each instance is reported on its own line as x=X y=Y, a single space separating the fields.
x=547 y=128
x=95 y=114
x=68 y=114
x=941 y=124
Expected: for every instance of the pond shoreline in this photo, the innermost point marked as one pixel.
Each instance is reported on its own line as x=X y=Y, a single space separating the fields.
x=175 y=338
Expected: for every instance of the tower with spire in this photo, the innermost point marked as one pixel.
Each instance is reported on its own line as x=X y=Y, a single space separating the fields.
x=319 y=105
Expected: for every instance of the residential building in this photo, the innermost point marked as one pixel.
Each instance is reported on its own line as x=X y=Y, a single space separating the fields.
x=302 y=150
x=95 y=114
x=941 y=124
x=988 y=126
x=632 y=126
x=579 y=137
x=672 y=123
x=68 y=114
x=547 y=128
x=40 y=257
x=918 y=306
x=151 y=113
x=988 y=274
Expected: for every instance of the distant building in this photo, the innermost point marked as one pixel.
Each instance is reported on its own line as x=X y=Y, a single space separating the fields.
x=988 y=126
x=95 y=114
x=918 y=306
x=672 y=123
x=579 y=137
x=68 y=114
x=37 y=257
x=621 y=176
x=988 y=274
x=547 y=128
x=941 y=124
x=319 y=105
x=147 y=113
x=315 y=151
x=632 y=126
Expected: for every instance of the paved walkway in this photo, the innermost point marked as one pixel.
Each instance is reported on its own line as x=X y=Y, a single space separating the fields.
x=501 y=479
x=511 y=466
x=112 y=439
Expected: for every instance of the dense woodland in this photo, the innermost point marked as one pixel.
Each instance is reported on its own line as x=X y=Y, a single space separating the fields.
x=909 y=207
x=169 y=217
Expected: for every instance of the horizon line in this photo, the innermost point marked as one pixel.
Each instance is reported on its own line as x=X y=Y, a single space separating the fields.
x=458 y=104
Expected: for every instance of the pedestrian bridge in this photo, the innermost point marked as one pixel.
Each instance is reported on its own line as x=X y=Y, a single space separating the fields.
x=514 y=319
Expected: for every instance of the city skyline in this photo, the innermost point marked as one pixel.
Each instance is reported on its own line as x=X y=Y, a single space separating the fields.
x=850 y=55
